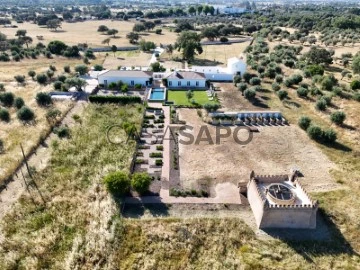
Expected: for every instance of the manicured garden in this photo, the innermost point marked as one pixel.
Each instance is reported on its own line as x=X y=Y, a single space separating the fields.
x=179 y=97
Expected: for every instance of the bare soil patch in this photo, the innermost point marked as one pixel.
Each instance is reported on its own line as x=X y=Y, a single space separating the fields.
x=274 y=150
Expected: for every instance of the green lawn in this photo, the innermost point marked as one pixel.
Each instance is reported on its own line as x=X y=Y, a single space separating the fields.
x=179 y=97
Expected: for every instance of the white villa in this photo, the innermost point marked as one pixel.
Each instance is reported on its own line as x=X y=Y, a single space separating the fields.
x=235 y=66
x=130 y=77
x=184 y=79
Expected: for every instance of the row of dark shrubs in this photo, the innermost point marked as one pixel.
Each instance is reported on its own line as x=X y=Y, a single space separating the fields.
x=115 y=99
x=188 y=193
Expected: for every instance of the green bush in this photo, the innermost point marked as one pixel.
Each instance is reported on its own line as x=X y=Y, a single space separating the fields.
x=302 y=92
x=156 y=155
x=211 y=107
x=115 y=99
x=158 y=162
x=67 y=69
x=25 y=114
x=255 y=81
x=279 y=78
x=338 y=117
x=321 y=105
x=282 y=94
x=242 y=87
x=315 y=132
x=355 y=84
x=41 y=78
x=4 y=115
x=18 y=103
x=249 y=94
x=62 y=132
x=159 y=148
x=356 y=97
x=304 y=122
x=82 y=69
x=19 y=78
x=329 y=136
x=275 y=86
x=141 y=182
x=118 y=183
x=57 y=85
x=98 y=67
x=7 y=99
x=43 y=99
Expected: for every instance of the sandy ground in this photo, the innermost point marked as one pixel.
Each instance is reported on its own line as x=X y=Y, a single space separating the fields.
x=274 y=150
x=231 y=99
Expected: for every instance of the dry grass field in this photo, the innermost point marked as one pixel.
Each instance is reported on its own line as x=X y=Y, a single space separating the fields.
x=86 y=32
x=15 y=132
x=126 y=59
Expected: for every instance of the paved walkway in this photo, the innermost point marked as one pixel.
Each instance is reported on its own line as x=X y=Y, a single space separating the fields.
x=226 y=193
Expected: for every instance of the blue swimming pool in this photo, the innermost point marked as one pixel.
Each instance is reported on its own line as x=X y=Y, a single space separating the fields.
x=157 y=94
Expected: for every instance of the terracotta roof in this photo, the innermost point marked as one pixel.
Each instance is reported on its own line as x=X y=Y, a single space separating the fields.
x=186 y=75
x=127 y=73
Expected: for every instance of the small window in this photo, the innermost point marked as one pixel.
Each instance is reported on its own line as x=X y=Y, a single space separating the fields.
x=197 y=83
x=188 y=83
x=170 y=83
x=179 y=83
x=132 y=83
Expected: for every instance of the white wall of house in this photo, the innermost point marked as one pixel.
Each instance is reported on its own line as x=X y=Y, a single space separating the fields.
x=128 y=80
x=183 y=83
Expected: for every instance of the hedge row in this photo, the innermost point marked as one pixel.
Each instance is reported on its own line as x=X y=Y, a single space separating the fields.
x=115 y=99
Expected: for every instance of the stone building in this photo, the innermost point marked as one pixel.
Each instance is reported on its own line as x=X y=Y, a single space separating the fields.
x=279 y=201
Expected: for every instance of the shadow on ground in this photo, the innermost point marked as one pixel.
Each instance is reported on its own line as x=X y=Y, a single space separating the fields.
x=139 y=210
x=325 y=240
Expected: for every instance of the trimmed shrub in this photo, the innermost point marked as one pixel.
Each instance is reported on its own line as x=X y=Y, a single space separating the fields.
x=282 y=94
x=304 y=122
x=18 y=103
x=115 y=99
x=98 y=68
x=4 y=115
x=141 y=182
x=43 y=99
x=57 y=85
x=25 y=114
x=338 y=117
x=118 y=183
x=210 y=107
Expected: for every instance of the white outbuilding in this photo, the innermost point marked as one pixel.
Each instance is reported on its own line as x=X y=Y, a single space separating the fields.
x=129 y=77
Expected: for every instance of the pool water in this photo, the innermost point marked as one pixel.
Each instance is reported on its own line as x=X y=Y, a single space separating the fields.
x=157 y=94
